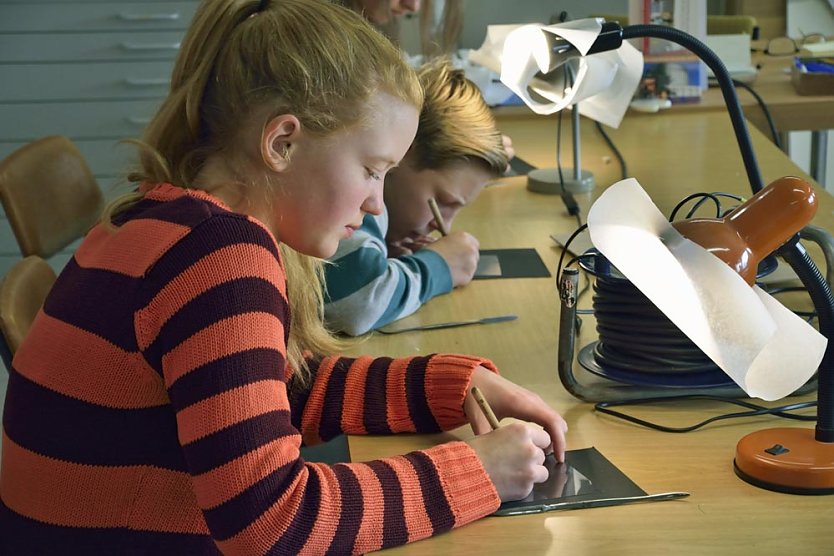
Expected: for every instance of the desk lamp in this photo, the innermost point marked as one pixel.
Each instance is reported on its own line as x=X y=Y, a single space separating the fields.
x=793 y=460
x=549 y=68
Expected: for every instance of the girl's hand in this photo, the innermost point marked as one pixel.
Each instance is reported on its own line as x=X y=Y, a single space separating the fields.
x=513 y=457
x=508 y=399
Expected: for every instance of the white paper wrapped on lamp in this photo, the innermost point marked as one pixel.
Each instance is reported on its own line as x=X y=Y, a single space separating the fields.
x=582 y=64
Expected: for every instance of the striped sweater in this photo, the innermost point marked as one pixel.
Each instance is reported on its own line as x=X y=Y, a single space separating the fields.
x=367 y=289
x=149 y=410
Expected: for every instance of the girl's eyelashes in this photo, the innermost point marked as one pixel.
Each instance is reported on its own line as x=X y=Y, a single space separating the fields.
x=373 y=175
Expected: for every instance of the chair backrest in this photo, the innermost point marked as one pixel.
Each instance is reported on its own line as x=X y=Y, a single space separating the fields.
x=49 y=194
x=732 y=25
x=22 y=293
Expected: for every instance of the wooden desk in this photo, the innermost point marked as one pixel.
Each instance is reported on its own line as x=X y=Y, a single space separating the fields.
x=790 y=111
x=671 y=156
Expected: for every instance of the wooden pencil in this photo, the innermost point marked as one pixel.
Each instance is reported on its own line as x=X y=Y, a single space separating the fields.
x=484 y=405
x=441 y=224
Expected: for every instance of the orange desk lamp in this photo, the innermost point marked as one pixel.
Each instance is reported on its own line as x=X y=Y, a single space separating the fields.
x=782 y=459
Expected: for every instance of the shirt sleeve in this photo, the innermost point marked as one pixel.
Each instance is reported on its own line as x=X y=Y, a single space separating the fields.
x=216 y=325
x=367 y=395
x=366 y=289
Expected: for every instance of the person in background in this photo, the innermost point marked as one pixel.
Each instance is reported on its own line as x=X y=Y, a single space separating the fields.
x=391 y=265
x=440 y=29
x=158 y=402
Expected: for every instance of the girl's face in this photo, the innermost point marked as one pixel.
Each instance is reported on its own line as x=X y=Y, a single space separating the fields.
x=330 y=183
x=408 y=190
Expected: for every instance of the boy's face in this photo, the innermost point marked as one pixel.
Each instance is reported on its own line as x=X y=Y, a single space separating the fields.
x=407 y=193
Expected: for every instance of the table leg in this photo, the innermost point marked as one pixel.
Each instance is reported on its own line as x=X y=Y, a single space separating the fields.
x=819 y=152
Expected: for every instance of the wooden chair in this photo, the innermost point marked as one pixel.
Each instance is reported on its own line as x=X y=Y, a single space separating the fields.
x=49 y=194
x=22 y=293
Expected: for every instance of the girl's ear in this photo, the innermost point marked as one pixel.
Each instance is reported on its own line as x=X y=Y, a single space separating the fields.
x=277 y=140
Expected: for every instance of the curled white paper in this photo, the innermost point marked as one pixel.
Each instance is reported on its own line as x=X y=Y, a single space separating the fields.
x=765 y=348
x=604 y=82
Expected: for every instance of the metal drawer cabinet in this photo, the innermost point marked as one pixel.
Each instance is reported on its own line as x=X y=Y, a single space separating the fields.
x=34 y=17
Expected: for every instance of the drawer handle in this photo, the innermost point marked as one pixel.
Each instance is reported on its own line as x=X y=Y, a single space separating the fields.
x=135 y=46
x=138 y=120
x=147 y=81
x=171 y=16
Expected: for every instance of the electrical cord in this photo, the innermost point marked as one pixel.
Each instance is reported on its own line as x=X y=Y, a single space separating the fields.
x=614 y=149
x=783 y=411
x=765 y=110
x=635 y=336
x=567 y=197
x=714 y=196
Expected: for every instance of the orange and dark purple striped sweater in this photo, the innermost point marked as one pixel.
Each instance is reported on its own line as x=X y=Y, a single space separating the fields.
x=148 y=410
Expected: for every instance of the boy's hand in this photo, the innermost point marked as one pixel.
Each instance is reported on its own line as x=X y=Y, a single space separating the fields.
x=460 y=251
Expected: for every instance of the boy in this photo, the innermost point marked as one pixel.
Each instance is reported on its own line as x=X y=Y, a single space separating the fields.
x=391 y=266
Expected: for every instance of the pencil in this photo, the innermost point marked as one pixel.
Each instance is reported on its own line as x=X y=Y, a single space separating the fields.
x=487 y=411
x=441 y=224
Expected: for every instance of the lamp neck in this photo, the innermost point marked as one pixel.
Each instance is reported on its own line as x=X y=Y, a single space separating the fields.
x=609 y=38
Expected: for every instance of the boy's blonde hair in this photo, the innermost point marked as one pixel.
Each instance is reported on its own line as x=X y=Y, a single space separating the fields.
x=456 y=124
x=246 y=58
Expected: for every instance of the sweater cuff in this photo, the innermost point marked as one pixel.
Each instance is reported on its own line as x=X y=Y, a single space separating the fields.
x=438 y=278
x=447 y=382
x=467 y=486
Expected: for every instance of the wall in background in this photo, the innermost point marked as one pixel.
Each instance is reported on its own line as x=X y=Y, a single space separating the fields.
x=803 y=18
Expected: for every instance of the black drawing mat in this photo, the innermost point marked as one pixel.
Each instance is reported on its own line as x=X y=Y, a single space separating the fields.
x=515 y=263
x=585 y=476
x=335 y=450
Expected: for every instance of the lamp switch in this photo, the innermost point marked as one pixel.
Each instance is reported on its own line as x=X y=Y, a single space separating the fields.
x=777 y=450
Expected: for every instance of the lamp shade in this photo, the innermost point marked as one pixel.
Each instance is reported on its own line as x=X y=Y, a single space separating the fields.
x=530 y=60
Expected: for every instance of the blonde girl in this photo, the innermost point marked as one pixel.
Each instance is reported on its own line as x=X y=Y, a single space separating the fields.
x=158 y=404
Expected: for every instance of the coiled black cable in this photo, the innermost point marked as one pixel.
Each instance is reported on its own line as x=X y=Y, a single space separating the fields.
x=635 y=336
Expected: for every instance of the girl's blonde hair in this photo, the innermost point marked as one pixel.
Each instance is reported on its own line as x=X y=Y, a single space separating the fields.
x=456 y=123
x=243 y=59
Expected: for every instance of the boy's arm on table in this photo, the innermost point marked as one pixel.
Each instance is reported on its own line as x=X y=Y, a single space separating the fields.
x=366 y=289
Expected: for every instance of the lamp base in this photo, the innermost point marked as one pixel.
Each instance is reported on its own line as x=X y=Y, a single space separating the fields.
x=786 y=460
x=546 y=180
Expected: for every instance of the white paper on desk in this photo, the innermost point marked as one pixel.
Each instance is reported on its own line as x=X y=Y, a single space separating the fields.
x=765 y=348
x=605 y=81
x=817 y=49
x=734 y=51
